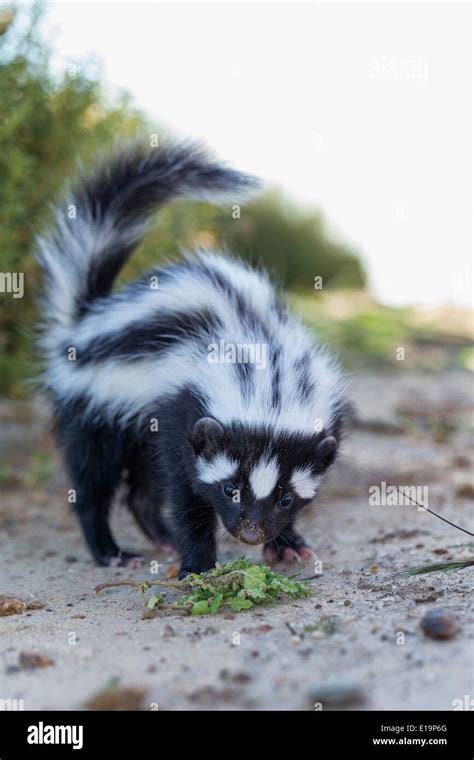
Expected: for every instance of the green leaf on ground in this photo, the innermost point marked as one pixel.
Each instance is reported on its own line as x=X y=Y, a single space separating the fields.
x=238 y=585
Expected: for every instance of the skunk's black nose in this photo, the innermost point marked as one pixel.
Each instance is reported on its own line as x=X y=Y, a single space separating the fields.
x=251 y=534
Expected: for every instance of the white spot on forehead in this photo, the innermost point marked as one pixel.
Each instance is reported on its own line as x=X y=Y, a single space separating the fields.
x=220 y=467
x=264 y=477
x=304 y=482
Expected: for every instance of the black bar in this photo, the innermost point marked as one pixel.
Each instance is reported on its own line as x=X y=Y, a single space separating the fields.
x=319 y=734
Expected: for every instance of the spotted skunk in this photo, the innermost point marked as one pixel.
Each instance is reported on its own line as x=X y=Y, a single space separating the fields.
x=194 y=384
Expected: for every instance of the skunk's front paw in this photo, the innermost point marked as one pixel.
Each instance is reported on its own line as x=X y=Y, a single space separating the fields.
x=125 y=559
x=287 y=547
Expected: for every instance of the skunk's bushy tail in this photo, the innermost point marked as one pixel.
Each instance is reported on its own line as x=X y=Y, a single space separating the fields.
x=108 y=211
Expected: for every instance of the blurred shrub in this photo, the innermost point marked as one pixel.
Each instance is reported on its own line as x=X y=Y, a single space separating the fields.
x=292 y=244
x=47 y=121
x=368 y=335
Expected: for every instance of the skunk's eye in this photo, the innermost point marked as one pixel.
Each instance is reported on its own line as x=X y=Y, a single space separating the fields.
x=286 y=500
x=229 y=489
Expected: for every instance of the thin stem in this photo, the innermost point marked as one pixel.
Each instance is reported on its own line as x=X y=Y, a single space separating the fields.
x=414 y=501
x=141 y=584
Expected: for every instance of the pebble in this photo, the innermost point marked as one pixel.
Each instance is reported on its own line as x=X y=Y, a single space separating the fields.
x=10 y=605
x=337 y=694
x=118 y=698
x=33 y=660
x=440 y=624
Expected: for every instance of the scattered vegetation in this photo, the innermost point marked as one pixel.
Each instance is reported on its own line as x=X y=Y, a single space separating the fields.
x=238 y=585
x=367 y=334
x=438 y=567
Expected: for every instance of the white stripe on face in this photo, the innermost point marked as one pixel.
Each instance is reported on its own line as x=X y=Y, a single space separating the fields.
x=264 y=477
x=304 y=482
x=220 y=467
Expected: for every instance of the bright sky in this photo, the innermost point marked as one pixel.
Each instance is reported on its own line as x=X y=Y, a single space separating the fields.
x=361 y=109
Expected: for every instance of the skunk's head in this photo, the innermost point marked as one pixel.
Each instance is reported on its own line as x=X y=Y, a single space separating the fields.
x=257 y=481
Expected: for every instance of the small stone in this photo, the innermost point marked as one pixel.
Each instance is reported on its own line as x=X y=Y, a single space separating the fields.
x=118 y=698
x=238 y=677
x=34 y=660
x=337 y=694
x=440 y=624
x=33 y=605
x=10 y=605
x=461 y=461
x=465 y=490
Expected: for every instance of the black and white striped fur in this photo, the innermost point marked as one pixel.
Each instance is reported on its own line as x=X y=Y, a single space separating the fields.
x=244 y=441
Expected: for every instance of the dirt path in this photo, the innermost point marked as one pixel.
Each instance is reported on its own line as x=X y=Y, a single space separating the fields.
x=368 y=651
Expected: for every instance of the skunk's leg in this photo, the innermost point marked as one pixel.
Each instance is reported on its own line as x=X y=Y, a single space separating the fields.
x=94 y=455
x=147 y=512
x=146 y=495
x=92 y=508
x=195 y=531
x=289 y=546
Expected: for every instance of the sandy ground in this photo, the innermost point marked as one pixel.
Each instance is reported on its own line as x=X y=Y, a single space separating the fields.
x=413 y=429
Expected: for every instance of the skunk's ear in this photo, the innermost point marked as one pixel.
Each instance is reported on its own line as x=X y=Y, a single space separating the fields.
x=207 y=436
x=326 y=450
